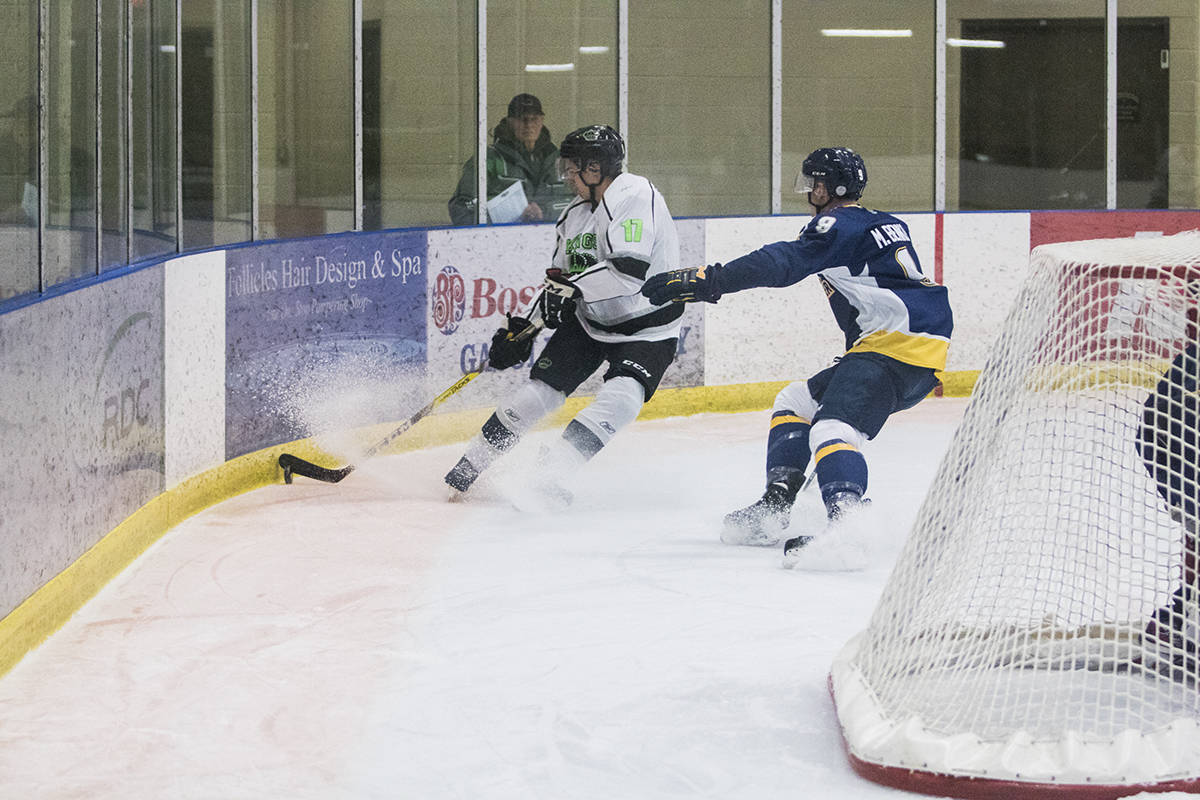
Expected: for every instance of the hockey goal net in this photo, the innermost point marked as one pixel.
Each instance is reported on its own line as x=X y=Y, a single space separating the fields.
x=1038 y=634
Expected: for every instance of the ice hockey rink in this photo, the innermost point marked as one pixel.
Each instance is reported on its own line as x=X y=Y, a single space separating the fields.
x=370 y=640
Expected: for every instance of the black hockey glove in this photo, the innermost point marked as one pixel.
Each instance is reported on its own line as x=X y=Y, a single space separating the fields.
x=682 y=286
x=557 y=300
x=509 y=348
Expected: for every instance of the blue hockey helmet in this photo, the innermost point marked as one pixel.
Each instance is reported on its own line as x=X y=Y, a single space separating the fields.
x=599 y=143
x=841 y=170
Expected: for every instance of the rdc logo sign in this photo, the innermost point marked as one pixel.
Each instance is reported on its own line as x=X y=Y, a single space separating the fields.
x=449 y=299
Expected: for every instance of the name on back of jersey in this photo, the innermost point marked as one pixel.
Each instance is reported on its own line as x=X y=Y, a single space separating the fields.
x=889 y=234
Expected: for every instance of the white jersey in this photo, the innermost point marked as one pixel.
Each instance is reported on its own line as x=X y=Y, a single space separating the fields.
x=609 y=253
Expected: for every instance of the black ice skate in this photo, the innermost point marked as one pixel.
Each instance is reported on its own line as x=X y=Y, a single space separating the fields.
x=460 y=478
x=835 y=556
x=1170 y=638
x=840 y=504
x=761 y=523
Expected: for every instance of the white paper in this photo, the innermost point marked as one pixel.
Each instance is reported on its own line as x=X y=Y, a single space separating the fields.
x=29 y=202
x=508 y=205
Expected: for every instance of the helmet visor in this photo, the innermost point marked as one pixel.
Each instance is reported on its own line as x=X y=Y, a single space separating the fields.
x=568 y=168
x=804 y=183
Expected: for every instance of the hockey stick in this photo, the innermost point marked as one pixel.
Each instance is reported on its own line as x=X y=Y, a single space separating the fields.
x=294 y=465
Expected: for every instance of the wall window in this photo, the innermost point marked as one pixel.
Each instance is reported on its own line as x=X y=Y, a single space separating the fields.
x=217 y=170
x=700 y=103
x=71 y=141
x=18 y=152
x=154 y=142
x=1025 y=106
x=860 y=74
x=216 y=124
x=305 y=115
x=1156 y=119
x=114 y=161
x=419 y=101
x=553 y=69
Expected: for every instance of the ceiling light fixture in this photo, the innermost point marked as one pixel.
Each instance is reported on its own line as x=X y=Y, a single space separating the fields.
x=869 y=33
x=993 y=43
x=549 y=67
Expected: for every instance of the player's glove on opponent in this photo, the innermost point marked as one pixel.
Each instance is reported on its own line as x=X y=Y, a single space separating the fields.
x=557 y=300
x=683 y=286
x=509 y=348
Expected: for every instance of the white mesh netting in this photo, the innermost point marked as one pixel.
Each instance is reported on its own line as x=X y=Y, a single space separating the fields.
x=1017 y=636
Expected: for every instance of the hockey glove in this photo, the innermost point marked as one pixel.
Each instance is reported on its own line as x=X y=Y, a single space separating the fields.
x=507 y=349
x=557 y=300
x=682 y=286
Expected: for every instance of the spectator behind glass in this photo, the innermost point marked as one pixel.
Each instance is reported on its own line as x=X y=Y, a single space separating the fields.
x=18 y=164
x=521 y=150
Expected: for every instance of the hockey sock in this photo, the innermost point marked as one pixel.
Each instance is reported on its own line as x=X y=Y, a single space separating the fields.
x=840 y=468
x=787 y=442
x=580 y=437
x=616 y=405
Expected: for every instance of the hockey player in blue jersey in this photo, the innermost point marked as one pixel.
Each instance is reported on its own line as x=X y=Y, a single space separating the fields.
x=897 y=324
x=1169 y=444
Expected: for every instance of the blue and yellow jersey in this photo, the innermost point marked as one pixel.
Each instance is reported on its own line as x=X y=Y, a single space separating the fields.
x=881 y=298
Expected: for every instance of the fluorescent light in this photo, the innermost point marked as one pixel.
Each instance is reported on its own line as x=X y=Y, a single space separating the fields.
x=594 y=48
x=549 y=67
x=166 y=48
x=994 y=43
x=873 y=33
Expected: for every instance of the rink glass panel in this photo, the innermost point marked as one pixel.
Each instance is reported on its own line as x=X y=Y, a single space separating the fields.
x=874 y=94
x=305 y=118
x=420 y=72
x=700 y=104
x=18 y=153
x=216 y=109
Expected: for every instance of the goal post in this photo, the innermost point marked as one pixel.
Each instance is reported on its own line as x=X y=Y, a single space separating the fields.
x=1038 y=635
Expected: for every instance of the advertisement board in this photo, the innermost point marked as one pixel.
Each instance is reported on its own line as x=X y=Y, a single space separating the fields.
x=1046 y=227
x=82 y=424
x=321 y=334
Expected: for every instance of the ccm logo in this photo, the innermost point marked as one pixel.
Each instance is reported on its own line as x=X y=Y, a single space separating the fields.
x=638 y=368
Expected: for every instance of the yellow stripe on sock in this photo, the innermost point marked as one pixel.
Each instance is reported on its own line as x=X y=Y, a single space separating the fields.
x=832 y=448
x=783 y=420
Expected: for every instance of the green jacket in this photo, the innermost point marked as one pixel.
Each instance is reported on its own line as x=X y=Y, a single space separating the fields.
x=507 y=162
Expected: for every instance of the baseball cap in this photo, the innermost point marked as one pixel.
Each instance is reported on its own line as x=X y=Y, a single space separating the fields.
x=524 y=104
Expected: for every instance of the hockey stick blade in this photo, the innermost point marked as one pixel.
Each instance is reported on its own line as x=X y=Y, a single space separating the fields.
x=294 y=465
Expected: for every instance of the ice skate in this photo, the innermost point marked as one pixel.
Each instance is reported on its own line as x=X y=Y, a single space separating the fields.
x=838 y=548
x=761 y=523
x=1170 y=638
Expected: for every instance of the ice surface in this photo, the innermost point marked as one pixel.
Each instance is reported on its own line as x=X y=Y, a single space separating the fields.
x=371 y=640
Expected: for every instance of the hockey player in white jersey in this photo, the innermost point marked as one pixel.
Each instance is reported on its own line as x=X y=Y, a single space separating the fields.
x=617 y=234
x=896 y=321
